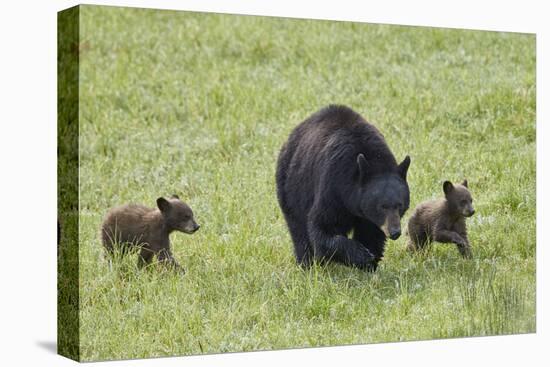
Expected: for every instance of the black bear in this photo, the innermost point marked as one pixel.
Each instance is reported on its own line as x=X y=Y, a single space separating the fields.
x=336 y=175
x=443 y=220
x=134 y=225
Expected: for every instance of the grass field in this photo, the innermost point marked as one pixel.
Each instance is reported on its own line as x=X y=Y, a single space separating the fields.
x=199 y=105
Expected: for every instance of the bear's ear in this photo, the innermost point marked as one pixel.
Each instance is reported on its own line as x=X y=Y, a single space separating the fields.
x=163 y=204
x=448 y=187
x=404 y=167
x=363 y=167
x=174 y=196
x=465 y=183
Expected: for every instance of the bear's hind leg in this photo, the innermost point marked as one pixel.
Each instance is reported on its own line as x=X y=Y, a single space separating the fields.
x=302 y=247
x=417 y=242
x=145 y=256
x=411 y=245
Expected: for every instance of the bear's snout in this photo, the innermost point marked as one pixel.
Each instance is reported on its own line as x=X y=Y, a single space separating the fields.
x=190 y=228
x=395 y=234
x=392 y=225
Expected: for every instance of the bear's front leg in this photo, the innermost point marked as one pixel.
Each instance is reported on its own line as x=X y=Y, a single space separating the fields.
x=339 y=248
x=464 y=248
x=165 y=257
x=371 y=237
x=462 y=243
x=446 y=236
x=465 y=251
x=145 y=257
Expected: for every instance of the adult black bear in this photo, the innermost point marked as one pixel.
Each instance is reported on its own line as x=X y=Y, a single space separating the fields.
x=335 y=175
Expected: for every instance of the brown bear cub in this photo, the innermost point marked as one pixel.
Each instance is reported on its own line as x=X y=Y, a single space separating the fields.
x=443 y=220
x=149 y=229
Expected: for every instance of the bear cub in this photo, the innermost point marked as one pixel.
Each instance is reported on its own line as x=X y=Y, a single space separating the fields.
x=134 y=225
x=443 y=220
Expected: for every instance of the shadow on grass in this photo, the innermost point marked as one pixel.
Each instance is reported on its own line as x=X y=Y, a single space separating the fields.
x=48 y=345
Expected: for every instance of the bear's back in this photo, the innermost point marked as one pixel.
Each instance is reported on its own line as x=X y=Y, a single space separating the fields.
x=127 y=224
x=334 y=123
x=332 y=138
x=426 y=215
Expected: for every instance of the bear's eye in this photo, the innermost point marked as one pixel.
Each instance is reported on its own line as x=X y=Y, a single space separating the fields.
x=384 y=206
x=463 y=202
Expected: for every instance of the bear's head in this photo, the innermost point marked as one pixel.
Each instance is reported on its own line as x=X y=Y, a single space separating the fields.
x=177 y=215
x=459 y=198
x=383 y=198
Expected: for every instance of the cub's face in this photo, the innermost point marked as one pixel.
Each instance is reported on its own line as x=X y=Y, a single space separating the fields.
x=383 y=199
x=177 y=214
x=459 y=198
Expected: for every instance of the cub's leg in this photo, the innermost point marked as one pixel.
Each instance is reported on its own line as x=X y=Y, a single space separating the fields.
x=417 y=236
x=145 y=257
x=411 y=245
x=417 y=241
x=445 y=236
x=465 y=249
x=165 y=257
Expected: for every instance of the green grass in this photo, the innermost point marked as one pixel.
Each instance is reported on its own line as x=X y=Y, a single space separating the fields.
x=199 y=105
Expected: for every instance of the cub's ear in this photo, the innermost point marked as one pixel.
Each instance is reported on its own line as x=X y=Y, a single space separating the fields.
x=174 y=196
x=404 y=167
x=448 y=187
x=465 y=183
x=363 y=167
x=163 y=204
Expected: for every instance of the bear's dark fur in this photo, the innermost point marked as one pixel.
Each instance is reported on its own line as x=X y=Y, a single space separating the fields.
x=135 y=225
x=337 y=175
x=443 y=220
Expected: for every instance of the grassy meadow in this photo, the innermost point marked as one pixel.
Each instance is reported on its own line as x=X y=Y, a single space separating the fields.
x=200 y=104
